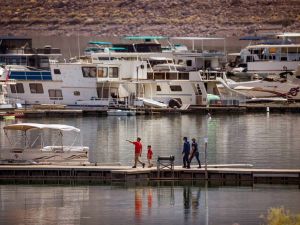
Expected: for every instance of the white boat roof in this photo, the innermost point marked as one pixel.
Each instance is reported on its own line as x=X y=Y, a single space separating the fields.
x=129 y=54
x=29 y=126
x=235 y=54
x=197 y=38
x=289 y=35
x=274 y=46
x=160 y=58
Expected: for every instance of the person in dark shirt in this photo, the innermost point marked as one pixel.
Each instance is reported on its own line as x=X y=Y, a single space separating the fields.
x=186 y=153
x=195 y=152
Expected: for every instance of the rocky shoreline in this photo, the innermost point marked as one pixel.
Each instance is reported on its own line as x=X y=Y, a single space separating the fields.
x=227 y=18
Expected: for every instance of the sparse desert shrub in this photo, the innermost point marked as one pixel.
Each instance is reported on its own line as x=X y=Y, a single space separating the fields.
x=280 y=216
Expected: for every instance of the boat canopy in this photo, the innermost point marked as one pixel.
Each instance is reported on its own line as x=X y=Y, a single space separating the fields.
x=151 y=38
x=289 y=35
x=274 y=46
x=30 y=126
x=100 y=43
x=196 y=38
x=117 y=48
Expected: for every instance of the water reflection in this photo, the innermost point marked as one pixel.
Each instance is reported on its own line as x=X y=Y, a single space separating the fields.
x=191 y=199
x=266 y=141
x=138 y=204
x=24 y=204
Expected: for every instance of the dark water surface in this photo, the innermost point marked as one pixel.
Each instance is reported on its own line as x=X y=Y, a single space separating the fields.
x=25 y=204
x=264 y=140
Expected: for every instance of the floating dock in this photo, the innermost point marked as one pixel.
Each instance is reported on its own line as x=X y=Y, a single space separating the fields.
x=218 y=174
x=193 y=109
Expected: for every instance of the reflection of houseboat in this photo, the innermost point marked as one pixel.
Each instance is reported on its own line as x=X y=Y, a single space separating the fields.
x=119 y=112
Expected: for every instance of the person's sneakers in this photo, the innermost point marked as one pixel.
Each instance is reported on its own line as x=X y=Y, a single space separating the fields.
x=134 y=167
x=143 y=165
x=188 y=167
x=199 y=167
x=183 y=166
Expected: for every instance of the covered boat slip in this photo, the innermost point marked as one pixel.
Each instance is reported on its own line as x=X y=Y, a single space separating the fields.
x=30 y=146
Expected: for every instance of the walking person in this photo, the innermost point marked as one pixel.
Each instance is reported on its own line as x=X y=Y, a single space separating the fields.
x=149 y=156
x=195 y=152
x=186 y=153
x=137 y=152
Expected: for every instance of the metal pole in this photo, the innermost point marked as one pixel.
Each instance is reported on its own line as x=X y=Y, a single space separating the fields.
x=205 y=158
x=205 y=145
x=137 y=79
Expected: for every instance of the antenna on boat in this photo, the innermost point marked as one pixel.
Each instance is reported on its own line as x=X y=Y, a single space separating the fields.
x=78 y=43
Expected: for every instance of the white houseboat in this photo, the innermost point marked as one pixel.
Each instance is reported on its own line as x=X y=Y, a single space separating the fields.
x=274 y=56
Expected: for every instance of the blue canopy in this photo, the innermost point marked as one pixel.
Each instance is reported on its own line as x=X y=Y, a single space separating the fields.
x=144 y=37
x=117 y=48
x=100 y=43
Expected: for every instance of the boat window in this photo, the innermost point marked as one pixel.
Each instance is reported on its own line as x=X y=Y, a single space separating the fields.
x=36 y=88
x=150 y=76
x=158 y=88
x=249 y=58
x=17 y=88
x=89 y=71
x=283 y=58
x=290 y=50
x=101 y=72
x=175 y=88
x=113 y=72
x=159 y=76
x=56 y=71
x=55 y=94
x=183 y=76
x=189 y=62
x=76 y=93
x=106 y=58
x=180 y=62
x=171 y=76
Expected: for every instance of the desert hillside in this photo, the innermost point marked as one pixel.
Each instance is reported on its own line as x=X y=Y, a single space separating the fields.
x=148 y=17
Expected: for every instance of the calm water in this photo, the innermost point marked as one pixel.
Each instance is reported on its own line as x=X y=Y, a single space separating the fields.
x=24 y=204
x=264 y=140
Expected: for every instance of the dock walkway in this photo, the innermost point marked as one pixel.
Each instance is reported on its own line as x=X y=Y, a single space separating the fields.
x=219 y=174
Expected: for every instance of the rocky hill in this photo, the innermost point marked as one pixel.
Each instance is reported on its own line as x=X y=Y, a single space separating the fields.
x=148 y=17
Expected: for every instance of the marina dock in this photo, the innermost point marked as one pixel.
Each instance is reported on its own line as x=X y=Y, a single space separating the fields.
x=217 y=174
x=98 y=111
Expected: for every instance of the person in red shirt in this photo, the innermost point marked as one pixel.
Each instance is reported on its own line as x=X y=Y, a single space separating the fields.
x=149 y=156
x=137 y=151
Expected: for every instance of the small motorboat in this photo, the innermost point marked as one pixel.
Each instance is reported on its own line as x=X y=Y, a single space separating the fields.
x=119 y=112
x=31 y=147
